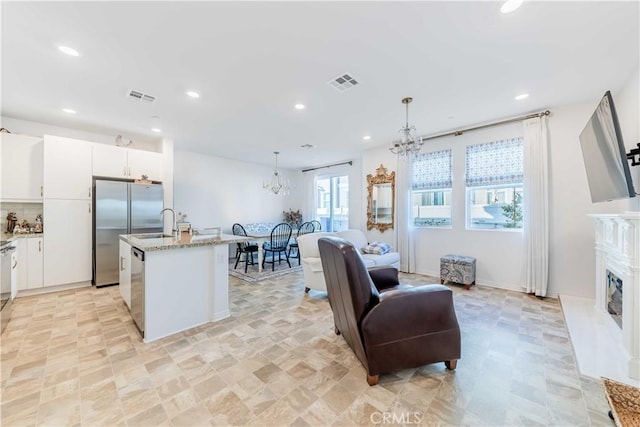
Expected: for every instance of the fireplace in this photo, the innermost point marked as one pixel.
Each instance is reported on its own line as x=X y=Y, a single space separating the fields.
x=614 y=297
x=617 y=249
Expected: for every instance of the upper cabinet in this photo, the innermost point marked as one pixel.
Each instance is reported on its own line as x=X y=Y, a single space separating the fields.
x=67 y=168
x=118 y=162
x=21 y=167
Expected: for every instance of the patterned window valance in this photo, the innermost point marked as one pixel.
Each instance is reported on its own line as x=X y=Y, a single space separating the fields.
x=495 y=163
x=432 y=171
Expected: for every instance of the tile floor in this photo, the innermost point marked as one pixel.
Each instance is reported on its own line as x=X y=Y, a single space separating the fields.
x=75 y=358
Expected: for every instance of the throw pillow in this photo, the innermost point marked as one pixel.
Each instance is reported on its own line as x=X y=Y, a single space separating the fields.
x=377 y=248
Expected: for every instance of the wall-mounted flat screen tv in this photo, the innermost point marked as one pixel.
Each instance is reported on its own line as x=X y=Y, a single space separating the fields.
x=604 y=154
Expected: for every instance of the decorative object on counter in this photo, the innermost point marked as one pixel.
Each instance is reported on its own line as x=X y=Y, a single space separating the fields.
x=278 y=184
x=4 y=130
x=144 y=179
x=293 y=218
x=12 y=220
x=37 y=228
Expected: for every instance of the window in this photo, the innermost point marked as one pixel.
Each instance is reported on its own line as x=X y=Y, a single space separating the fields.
x=431 y=189
x=332 y=201
x=494 y=175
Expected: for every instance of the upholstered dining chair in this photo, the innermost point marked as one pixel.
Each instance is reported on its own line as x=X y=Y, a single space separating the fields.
x=317 y=226
x=305 y=228
x=280 y=235
x=246 y=248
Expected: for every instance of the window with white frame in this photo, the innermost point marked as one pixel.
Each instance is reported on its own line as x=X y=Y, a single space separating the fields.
x=332 y=202
x=431 y=189
x=494 y=176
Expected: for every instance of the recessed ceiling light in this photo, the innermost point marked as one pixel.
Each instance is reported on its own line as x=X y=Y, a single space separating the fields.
x=299 y=106
x=156 y=130
x=522 y=96
x=69 y=110
x=68 y=50
x=510 y=5
x=193 y=94
x=308 y=146
x=366 y=137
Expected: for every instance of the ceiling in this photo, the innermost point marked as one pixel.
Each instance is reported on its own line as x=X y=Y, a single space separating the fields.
x=462 y=62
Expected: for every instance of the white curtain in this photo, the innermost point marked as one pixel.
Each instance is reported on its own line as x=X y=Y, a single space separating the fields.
x=405 y=232
x=309 y=209
x=536 y=206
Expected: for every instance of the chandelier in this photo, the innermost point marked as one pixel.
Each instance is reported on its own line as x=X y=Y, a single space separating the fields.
x=407 y=142
x=278 y=184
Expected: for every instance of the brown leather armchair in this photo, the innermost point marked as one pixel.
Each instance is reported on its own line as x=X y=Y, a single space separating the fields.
x=400 y=327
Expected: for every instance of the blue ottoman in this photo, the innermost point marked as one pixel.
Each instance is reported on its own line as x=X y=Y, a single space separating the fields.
x=458 y=269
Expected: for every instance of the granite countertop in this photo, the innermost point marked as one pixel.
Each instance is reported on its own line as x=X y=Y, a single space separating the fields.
x=157 y=242
x=11 y=236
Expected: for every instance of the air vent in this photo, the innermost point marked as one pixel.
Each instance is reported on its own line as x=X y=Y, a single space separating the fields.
x=343 y=82
x=135 y=94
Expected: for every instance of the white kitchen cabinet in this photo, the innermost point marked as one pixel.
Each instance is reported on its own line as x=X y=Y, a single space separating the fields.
x=21 y=167
x=14 y=274
x=145 y=163
x=118 y=162
x=109 y=161
x=21 y=258
x=67 y=168
x=125 y=272
x=34 y=263
x=67 y=241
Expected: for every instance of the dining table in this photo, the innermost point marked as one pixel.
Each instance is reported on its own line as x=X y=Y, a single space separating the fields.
x=261 y=232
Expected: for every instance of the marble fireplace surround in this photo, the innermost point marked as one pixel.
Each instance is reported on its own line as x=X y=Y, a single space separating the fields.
x=617 y=247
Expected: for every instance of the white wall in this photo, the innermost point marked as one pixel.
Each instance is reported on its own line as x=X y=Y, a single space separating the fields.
x=499 y=253
x=27 y=127
x=217 y=192
x=571 y=250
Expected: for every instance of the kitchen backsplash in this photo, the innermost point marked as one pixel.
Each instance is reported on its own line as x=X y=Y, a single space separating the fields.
x=23 y=211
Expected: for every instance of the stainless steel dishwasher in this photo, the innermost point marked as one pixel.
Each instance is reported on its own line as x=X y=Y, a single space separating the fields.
x=137 y=288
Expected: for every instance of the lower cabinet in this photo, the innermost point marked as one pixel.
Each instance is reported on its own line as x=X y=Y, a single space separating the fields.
x=67 y=241
x=125 y=272
x=14 y=274
x=34 y=263
x=28 y=263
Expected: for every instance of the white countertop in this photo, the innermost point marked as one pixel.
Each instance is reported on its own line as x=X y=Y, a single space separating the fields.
x=157 y=242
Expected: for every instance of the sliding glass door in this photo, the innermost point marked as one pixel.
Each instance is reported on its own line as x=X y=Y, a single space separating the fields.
x=332 y=202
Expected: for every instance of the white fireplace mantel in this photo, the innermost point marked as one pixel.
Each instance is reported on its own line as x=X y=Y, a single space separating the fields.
x=617 y=246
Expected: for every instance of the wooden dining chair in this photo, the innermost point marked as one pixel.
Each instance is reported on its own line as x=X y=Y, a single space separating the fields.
x=246 y=248
x=305 y=228
x=280 y=235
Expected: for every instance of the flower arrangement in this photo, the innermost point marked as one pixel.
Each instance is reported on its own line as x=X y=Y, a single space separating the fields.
x=292 y=217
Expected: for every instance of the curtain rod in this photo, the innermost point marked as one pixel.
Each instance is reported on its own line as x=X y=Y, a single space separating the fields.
x=328 y=166
x=487 y=125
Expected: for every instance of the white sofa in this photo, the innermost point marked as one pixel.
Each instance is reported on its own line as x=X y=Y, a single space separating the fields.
x=310 y=256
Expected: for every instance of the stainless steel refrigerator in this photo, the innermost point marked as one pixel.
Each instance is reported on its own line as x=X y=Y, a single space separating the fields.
x=121 y=208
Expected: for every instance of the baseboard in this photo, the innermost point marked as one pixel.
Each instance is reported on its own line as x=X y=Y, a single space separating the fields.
x=49 y=289
x=491 y=284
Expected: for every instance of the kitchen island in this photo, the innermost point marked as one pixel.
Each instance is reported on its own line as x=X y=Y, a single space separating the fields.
x=177 y=283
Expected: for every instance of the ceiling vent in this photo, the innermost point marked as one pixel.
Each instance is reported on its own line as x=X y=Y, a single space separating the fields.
x=343 y=82
x=135 y=94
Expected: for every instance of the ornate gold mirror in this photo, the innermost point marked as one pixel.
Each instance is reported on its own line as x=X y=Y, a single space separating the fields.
x=381 y=199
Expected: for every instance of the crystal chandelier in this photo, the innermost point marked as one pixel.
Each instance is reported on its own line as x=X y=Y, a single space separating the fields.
x=278 y=184
x=407 y=142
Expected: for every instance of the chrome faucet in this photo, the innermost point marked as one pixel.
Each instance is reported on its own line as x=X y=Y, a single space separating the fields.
x=174 y=230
